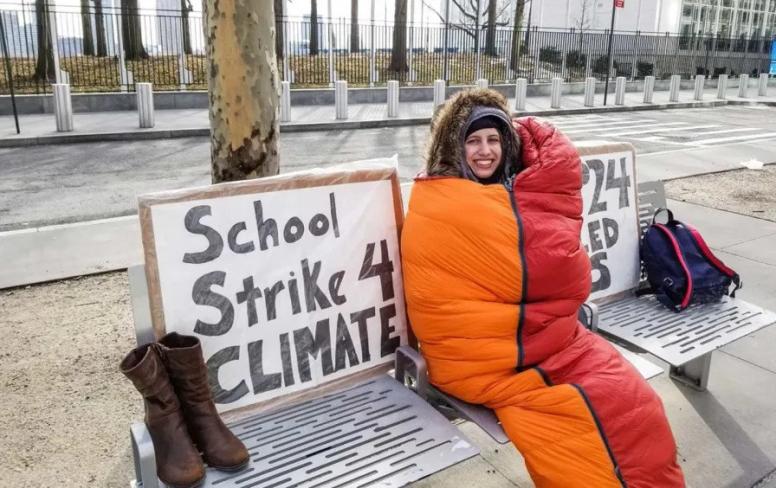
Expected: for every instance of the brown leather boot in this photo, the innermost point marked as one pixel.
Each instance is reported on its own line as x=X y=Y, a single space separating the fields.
x=220 y=448
x=177 y=461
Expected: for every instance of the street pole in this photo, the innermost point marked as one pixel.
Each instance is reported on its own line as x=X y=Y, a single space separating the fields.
x=609 y=52
x=52 y=17
x=411 y=32
x=372 y=47
x=447 y=29
x=9 y=73
x=477 y=43
x=331 y=48
x=528 y=27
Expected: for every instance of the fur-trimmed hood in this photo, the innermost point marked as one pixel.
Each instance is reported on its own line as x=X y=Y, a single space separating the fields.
x=445 y=153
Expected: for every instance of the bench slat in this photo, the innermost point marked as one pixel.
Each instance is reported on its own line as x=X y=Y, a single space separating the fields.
x=678 y=338
x=378 y=432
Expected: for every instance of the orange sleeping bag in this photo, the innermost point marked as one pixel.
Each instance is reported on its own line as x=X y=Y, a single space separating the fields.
x=493 y=281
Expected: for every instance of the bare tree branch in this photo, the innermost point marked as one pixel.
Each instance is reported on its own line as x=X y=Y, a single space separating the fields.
x=463 y=10
x=441 y=17
x=461 y=28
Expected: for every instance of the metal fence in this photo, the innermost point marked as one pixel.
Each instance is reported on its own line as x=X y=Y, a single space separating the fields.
x=168 y=51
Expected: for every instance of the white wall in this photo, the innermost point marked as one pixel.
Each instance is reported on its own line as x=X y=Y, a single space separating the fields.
x=641 y=15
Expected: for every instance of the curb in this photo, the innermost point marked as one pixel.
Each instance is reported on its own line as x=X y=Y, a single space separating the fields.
x=155 y=134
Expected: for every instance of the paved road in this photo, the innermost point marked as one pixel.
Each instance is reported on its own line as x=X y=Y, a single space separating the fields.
x=65 y=183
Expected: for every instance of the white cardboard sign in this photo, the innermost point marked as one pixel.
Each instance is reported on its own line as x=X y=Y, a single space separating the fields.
x=286 y=289
x=610 y=232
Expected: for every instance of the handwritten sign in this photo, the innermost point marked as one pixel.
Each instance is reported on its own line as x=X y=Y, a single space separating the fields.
x=286 y=287
x=610 y=232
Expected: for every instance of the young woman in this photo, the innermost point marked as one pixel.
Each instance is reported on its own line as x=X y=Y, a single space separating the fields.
x=494 y=274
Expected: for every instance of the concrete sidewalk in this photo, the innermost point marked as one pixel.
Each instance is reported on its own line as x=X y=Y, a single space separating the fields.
x=121 y=126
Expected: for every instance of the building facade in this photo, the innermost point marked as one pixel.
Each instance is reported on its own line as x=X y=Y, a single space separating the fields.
x=726 y=18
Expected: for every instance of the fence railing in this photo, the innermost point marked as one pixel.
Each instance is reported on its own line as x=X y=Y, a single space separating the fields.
x=107 y=51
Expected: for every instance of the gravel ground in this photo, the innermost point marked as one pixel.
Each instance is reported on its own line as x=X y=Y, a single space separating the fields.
x=68 y=409
x=745 y=191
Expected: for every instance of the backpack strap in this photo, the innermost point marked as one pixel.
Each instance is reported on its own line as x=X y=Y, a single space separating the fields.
x=739 y=284
x=662 y=209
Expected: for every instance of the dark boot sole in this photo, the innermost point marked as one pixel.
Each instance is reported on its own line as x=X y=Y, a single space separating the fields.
x=231 y=469
x=197 y=483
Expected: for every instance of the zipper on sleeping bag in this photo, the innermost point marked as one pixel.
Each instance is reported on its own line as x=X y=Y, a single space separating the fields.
x=682 y=262
x=520 y=249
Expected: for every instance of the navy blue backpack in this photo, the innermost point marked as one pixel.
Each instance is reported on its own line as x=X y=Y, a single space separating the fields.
x=680 y=267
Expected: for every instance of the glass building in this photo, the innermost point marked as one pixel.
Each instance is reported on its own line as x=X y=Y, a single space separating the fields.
x=728 y=18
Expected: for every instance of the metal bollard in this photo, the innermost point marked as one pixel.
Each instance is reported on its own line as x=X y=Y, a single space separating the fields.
x=145 y=105
x=63 y=107
x=619 y=92
x=557 y=84
x=676 y=83
x=743 y=85
x=521 y=93
x=285 y=101
x=700 y=83
x=440 y=92
x=763 y=89
x=649 y=88
x=393 y=98
x=482 y=83
x=341 y=99
x=722 y=87
x=590 y=92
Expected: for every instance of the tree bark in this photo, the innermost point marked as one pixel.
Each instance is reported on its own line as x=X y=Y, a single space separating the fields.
x=354 y=40
x=86 y=26
x=490 y=33
x=99 y=27
x=243 y=88
x=313 y=27
x=399 y=48
x=279 y=37
x=44 y=66
x=185 y=29
x=132 y=35
x=514 y=60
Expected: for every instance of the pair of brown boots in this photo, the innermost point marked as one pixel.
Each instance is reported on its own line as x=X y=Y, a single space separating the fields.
x=180 y=413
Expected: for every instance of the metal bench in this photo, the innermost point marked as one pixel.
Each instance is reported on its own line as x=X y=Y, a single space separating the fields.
x=684 y=340
x=362 y=429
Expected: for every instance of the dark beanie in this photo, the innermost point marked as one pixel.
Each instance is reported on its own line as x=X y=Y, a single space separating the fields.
x=487 y=122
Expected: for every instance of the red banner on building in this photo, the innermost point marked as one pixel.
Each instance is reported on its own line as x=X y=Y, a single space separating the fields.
x=619 y=3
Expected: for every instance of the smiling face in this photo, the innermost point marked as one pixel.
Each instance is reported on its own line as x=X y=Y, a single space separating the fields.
x=483 y=152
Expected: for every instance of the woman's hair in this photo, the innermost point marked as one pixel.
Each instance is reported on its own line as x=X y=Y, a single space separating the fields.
x=445 y=153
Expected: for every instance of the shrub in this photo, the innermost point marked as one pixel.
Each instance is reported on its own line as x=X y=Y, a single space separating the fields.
x=645 y=69
x=575 y=59
x=550 y=55
x=600 y=65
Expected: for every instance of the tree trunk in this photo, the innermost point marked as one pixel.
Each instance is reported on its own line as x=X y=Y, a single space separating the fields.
x=86 y=26
x=399 y=49
x=279 y=37
x=44 y=66
x=132 y=35
x=490 y=33
x=514 y=60
x=243 y=89
x=313 y=27
x=354 y=41
x=185 y=29
x=99 y=27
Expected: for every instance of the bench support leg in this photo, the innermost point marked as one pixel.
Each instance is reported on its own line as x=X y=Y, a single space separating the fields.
x=143 y=452
x=695 y=373
x=410 y=363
